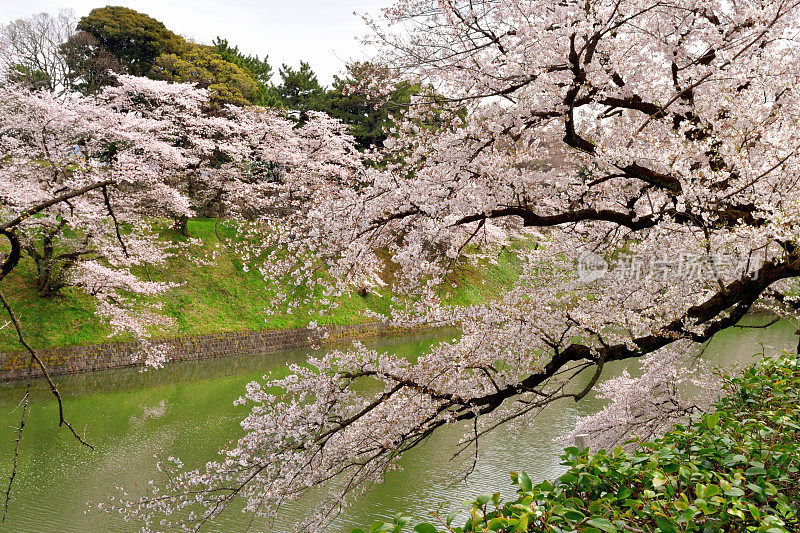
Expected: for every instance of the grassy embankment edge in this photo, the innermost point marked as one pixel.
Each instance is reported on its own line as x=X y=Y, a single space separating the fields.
x=216 y=296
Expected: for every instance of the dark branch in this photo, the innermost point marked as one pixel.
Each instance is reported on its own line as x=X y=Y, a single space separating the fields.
x=738 y=296
x=531 y=219
x=53 y=201
x=13 y=256
x=107 y=201
x=17 y=442
x=62 y=421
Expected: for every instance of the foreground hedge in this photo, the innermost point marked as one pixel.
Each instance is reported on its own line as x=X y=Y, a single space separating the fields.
x=735 y=470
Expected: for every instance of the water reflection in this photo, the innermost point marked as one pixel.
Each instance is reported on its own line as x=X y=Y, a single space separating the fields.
x=186 y=410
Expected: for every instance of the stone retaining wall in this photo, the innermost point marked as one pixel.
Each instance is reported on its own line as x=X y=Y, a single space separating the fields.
x=76 y=359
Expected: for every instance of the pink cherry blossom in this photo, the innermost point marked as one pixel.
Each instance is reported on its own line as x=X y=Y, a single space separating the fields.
x=615 y=127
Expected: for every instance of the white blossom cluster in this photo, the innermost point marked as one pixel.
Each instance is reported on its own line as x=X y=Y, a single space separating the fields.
x=144 y=151
x=608 y=127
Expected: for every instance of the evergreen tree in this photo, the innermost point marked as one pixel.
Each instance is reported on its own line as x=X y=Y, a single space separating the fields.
x=134 y=38
x=260 y=69
x=365 y=105
x=300 y=90
x=202 y=65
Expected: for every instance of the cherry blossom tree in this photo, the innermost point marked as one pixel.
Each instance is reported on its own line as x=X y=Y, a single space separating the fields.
x=238 y=160
x=54 y=147
x=159 y=145
x=77 y=183
x=649 y=150
x=86 y=180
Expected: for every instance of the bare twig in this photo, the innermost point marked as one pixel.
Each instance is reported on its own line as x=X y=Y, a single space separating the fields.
x=62 y=421
x=16 y=450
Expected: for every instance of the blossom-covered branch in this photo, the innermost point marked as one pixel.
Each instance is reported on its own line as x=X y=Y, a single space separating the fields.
x=617 y=129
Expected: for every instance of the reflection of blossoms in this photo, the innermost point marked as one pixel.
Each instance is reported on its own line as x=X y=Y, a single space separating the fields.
x=155 y=412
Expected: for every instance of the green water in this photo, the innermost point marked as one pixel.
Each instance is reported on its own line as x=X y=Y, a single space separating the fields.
x=186 y=410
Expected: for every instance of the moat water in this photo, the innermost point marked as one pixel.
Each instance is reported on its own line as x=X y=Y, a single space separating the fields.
x=186 y=410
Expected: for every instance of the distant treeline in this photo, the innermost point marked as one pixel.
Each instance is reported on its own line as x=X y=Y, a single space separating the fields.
x=62 y=54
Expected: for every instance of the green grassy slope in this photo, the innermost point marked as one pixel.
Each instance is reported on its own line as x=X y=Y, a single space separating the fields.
x=221 y=297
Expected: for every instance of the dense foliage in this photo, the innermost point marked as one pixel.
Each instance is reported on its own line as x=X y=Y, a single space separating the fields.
x=143 y=46
x=300 y=90
x=206 y=68
x=134 y=38
x=737 y=469
x=258 y=67
x=370 y=113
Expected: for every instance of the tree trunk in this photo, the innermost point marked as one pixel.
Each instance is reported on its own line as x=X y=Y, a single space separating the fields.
x=45 y=278
x=182 y=226
x=48 y=276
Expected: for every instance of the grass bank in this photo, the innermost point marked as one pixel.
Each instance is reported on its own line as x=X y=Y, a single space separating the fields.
x=218 y=297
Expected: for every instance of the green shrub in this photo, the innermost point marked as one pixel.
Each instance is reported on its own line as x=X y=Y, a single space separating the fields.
x=733 y=470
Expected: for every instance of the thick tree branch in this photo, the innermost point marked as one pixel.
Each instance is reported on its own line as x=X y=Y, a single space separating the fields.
x=738 y=296
x=531 y=219
x=53 y=201
x=11 y=260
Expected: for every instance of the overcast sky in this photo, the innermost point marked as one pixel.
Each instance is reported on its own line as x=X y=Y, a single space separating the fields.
x=322 y=32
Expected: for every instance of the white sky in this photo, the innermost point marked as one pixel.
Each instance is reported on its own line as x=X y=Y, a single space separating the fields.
x=321 y=32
